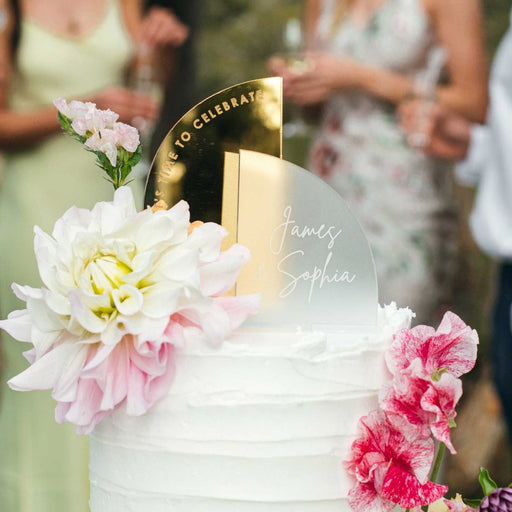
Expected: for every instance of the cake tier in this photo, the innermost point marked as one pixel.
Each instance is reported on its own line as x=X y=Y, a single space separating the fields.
x=260 y=424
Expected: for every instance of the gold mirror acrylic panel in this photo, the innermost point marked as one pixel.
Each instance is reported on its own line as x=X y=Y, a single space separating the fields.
x=310 y=259
x=190 y=161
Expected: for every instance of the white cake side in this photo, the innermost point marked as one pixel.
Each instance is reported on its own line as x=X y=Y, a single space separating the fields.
x=260 y=424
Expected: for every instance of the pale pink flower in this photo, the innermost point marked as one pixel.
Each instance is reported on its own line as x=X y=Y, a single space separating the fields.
x=85 y=117
x=74 y=109
x=452 y=348
x=123 y=291
x=379 y=447
x=127 y=136
x=106 y=141
x=427 y=404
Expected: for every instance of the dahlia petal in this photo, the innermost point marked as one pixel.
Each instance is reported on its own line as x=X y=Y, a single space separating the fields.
x=81 y=306
x=157 y=230
x=83 y=411
x=142 y=265
x=207 y=239
x=18 y=325
x=136 y=403
x=115 y=384
x=65 y=388
x=25 y=293
x=178 y=265
x=128 y=299
x=45 y=372
x=239 y=308
x=218 y=277
x=101 y=354
x=160 y=300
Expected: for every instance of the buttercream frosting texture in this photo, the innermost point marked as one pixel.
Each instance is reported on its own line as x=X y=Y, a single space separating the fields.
x=261 y=423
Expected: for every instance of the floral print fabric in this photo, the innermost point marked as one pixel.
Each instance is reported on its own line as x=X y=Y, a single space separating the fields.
x=401 y=197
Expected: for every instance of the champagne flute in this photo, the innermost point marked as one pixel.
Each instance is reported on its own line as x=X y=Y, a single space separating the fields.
x=425 y=89
x=297 y=63
x=144 y=79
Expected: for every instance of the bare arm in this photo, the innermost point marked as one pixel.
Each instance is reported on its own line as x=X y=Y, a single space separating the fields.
x=18 y=129
x=458 y=25
x=24 y=129
x=459 y=28
x=310 y=13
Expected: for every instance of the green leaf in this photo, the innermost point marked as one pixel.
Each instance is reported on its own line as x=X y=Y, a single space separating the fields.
x=135 y=156
x=65 y=123
x=487 y=483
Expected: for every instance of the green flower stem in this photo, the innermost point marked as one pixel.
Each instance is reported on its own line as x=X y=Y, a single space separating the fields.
x=437 y=462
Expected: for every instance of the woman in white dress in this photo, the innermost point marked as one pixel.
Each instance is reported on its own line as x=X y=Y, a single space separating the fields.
x=368 y=56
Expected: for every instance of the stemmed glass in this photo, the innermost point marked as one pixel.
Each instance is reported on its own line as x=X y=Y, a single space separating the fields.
x=144 y=79
x=425 y=90
x=296 y=62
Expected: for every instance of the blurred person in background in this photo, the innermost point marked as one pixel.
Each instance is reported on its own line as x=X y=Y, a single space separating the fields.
x=367 y=56
x=485 y=156
x=75 y=50
x=179 y=82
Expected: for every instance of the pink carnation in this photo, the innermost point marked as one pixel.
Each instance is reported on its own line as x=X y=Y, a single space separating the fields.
x=127 y=136
x=451 y=348
x=106 y=141
x=384 y=458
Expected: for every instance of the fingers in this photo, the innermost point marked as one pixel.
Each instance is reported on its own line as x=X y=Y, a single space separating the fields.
x=127 y=103
x=162 y=28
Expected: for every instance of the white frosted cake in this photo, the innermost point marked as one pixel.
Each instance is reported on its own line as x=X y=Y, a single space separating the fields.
x=260 y=424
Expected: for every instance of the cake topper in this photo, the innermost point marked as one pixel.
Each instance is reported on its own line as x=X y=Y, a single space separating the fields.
x=310 y=258
x=189 y=163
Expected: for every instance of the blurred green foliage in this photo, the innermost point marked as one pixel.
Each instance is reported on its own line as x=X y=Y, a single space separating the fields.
x=496 y=21
x=237 y=37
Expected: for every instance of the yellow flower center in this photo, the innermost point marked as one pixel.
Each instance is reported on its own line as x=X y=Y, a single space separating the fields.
x=106 y=273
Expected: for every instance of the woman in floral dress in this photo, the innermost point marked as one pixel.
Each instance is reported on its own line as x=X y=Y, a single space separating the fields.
x=369 y=56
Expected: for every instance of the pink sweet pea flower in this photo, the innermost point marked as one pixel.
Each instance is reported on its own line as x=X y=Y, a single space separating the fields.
x=452 y=348
x=400 y=487
x=384 y=458
x=428 y=405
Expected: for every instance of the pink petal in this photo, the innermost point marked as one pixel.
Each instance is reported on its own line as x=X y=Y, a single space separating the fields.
x=452 y=347
x=239 y=308
x=380 y=441
x=364 y=498
x=218 y=277
x=85 y=411
x=405 y=489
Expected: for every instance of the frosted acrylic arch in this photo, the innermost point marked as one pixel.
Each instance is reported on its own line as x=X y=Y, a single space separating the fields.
x=310 y=258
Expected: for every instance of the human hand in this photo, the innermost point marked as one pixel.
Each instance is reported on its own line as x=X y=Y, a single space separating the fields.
x=447 y=134
x=323 y=75
x=127 y=103
x=161 y=28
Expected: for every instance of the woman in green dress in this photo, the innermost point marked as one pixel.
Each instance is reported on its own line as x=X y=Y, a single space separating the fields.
x=74 y=50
